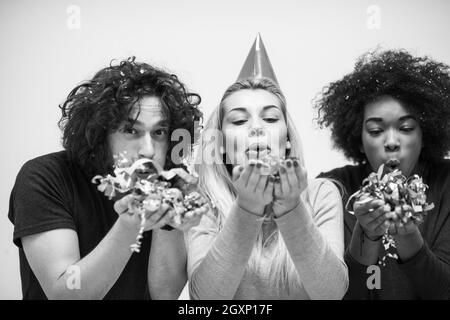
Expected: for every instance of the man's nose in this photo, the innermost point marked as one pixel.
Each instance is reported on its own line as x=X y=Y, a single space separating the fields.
x=146 y=148
x=392 y=142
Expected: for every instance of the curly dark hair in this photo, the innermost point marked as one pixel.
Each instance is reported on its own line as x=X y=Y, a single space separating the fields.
x=99 y=106
x=421 y=84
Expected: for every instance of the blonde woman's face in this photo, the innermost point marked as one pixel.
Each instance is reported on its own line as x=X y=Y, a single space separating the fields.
x=253 y=126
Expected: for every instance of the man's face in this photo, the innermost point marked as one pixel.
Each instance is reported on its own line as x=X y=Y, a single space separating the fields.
x=148 y=137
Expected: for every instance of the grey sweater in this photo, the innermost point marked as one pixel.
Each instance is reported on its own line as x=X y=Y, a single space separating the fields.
x=314 y=236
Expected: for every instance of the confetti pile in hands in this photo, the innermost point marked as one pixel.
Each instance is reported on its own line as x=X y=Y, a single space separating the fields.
x=405 y=197
x=271 y=165
x=152 y=186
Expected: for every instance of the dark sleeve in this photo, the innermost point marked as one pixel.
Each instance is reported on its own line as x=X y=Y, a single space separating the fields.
x=429 y=269
x=357 y=277
x=39 y=200
x=429 y=273
x=324 y=175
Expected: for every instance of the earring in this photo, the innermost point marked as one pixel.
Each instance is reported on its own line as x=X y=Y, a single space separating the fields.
x=288 y=145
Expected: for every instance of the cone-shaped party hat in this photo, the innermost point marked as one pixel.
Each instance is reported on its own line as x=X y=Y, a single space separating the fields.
x=257 y=64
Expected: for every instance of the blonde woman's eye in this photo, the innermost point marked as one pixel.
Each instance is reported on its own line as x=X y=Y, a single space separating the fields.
x=270 y=120
x=239 y=122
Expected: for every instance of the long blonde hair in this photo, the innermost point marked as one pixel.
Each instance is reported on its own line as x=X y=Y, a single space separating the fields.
x=215 y=180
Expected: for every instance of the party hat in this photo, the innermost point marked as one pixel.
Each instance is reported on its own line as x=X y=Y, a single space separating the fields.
x=257 y=64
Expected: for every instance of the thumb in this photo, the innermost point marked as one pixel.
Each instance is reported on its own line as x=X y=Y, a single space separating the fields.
x=185 y=176
x=236 y=173
x=122 y=205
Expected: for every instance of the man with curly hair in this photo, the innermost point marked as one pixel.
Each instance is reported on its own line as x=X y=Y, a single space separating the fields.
x=73 y=242
x=393 y=109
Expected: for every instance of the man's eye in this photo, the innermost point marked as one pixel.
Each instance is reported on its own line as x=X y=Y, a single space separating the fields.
x=161 y=132
x=239 y=122
x=129 y=130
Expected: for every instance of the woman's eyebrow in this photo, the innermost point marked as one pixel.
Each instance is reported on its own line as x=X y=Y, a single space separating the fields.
x=243 y=109
x=270 y=107
x=374 y=119
x=407 y=117
x=238 y=109
x=403 y=118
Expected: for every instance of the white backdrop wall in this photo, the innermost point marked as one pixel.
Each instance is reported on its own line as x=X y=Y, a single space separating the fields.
x=48 y=47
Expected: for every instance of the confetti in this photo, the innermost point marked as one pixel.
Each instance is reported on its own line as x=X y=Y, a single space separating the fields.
x=405 y=197
x=271 y=165
x=154 y=187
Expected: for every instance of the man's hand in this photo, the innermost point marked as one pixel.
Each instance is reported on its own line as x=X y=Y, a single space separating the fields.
x=191 y=218
x=128 y=208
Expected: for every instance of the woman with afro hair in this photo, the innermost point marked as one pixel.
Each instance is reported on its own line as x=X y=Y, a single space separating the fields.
x=393 y=109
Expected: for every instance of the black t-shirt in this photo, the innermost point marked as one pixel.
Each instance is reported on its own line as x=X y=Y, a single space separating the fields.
x=52 y=192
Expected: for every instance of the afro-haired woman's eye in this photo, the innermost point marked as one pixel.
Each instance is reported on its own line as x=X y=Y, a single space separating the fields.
x=375 y=132
x=407 y=129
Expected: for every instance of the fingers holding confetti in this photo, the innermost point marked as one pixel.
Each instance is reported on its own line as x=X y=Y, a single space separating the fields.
x=152 y=199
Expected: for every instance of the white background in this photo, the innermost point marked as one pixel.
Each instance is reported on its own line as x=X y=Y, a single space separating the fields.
x=47 y=48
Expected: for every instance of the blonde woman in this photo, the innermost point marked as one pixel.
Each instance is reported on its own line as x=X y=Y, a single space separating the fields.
x=270 y=238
